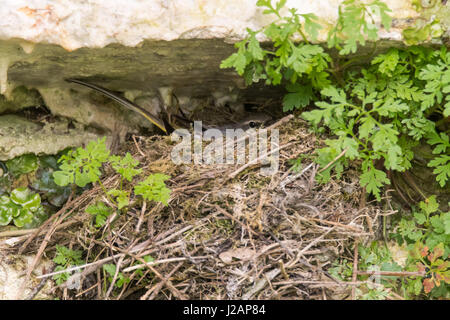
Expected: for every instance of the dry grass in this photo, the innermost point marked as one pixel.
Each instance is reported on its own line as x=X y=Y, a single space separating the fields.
x=227 y=233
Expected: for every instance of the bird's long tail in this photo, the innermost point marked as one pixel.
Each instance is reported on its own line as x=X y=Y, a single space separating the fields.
x=124 y=102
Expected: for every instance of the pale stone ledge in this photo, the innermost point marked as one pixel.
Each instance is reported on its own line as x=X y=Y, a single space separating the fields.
x=74 y=24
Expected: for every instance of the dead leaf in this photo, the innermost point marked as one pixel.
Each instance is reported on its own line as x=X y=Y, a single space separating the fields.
x=243 y=254
x=428 y=284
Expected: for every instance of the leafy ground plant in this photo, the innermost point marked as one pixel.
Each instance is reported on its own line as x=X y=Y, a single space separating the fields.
x=23 y=164
x=37 y=195
x=65 y=258
x=426 y=237
x=382 y=113
x=23 y=207
x=45 y=184
x=120 y=279
x=84 y=165
x=110 y=269
x=375 y=111
x=374 y=257
x=34 y=172
x=101 y=212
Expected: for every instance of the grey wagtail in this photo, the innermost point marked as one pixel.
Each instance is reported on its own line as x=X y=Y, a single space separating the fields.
x=253 y=121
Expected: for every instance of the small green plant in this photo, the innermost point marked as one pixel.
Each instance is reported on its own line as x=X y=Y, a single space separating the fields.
x=23 y=164
x=424 y=29
x=153 y=188
x=356 y=24
x=140 y=272
x=302 y=67
x=427 y=237
x=375 y=257
x=428 y=225
x=436 y=268
x=101 y=212
x=39 y=175
x=22 y=207
x=65 y=258
x=427 y=234
x=110 y=269
x=45 y=184
x=125 y=166
x=121 y=279
x=382 y=115
x=83 y=166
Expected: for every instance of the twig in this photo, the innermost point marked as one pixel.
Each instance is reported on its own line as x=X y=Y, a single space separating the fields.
x=14 y=233
x=355 y=269
x=223 y=211
x=113 y=281
x=91 y=264
x=261 y=283
x=333 y=161
x=393 y=273
x=336 y=224
x=136 y=248
x=37 y=288
x=295 y=177
x=326 y=283
x=137 y=146
x=154 y=263
x=87 y=290
x=273 y=126
x=167 y=282
x=412 y=183
x=141 y=216
x=315 y=241
x=155 y=290
x=255 y=161
x=281 y=121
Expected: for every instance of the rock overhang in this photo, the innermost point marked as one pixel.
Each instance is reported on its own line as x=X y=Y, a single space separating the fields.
x=137 y=47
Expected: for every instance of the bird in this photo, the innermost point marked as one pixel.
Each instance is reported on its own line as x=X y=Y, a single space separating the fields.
x=254 y=120
x=123 y=101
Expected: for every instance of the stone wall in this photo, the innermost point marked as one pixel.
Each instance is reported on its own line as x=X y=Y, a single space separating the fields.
x=136 y=47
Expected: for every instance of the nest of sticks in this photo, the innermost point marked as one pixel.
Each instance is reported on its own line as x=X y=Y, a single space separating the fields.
x=227 y=233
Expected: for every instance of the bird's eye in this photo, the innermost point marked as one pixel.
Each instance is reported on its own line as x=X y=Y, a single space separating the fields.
x=252 y=124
